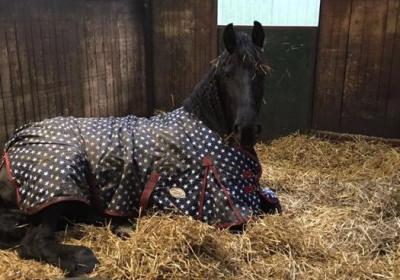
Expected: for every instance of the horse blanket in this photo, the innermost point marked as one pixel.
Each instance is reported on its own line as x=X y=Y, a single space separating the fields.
x=123 y=164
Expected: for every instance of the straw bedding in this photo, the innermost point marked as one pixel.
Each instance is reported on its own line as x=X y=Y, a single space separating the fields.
x=341 y=221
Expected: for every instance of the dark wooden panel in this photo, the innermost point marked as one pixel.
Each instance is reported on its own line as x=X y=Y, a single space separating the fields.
x=184 y=41
x=16 y=91
x=365 y=98
x=81 y=58
x=362 y=110
x=331 y=63
x=392 y=116
x=49 y=57
x=8 y=113
x=107 y=48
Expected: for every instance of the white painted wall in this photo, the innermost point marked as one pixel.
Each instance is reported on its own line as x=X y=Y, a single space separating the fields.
x=269 y=12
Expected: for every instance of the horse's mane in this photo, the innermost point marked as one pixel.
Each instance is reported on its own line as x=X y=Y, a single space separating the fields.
x=205 y=103
x=205 y=100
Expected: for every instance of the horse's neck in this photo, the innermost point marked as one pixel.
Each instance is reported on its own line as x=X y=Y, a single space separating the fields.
x=205 y=104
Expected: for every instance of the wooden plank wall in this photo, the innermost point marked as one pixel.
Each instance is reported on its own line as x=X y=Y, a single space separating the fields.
x=81 y=58
x=100 y=57
x=185 y=41
x=358 y=68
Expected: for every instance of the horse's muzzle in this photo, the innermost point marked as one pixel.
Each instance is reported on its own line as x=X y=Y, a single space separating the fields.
x=247 y=135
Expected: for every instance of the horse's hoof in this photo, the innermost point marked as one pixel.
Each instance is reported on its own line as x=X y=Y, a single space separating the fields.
x=83 y=261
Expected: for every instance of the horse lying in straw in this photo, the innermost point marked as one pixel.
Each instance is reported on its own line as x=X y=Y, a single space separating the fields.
x=198 y=160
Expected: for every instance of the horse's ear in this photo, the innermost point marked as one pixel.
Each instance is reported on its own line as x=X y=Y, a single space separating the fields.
x=229 y=38
x=258 y=35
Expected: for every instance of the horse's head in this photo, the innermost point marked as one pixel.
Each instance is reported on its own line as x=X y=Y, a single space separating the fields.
x=241 y=82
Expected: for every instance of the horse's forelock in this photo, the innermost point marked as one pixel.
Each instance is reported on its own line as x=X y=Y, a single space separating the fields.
x=247 y=51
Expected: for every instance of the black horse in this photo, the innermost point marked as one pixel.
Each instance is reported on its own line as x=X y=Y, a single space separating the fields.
x=197 y=160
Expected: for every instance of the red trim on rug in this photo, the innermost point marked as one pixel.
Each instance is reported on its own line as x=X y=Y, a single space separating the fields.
x=207 y=162
x=148 y=189
x=249 y=189
x=33 y=210
x=11 y=178
x=247 y=174
x=239 y=216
